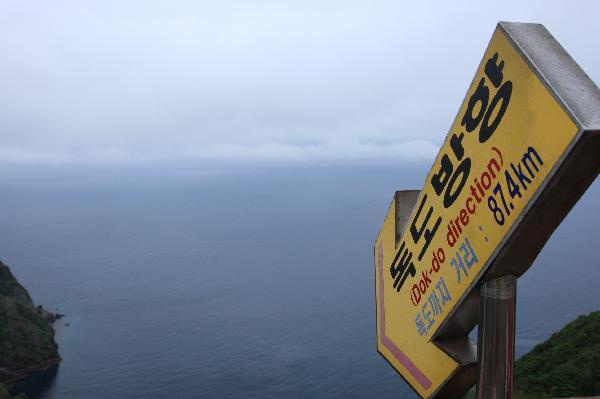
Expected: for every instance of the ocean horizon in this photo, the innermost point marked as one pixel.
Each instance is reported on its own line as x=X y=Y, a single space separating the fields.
x=241 y=282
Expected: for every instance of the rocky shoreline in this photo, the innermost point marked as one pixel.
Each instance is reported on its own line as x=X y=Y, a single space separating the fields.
x=9 y=377
x=49 y=316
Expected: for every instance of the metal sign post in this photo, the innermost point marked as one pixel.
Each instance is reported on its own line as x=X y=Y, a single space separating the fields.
x=520 y=153
x=496 y=338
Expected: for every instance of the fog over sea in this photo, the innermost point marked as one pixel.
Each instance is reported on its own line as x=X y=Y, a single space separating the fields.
x=239 y=282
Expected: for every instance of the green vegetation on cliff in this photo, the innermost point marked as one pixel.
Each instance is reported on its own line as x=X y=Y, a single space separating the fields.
x=26 y=337
x=567 y=364
x=5 y=395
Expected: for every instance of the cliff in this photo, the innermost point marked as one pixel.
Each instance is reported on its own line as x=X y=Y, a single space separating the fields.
x=566 y=364
x=26 y=336
x=4 y=394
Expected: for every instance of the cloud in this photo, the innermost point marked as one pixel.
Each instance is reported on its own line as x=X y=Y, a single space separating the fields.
x=151 y=81
x=410 y=151
x=415 y=150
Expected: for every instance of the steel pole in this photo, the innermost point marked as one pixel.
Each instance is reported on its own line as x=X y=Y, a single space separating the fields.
x=496 y=338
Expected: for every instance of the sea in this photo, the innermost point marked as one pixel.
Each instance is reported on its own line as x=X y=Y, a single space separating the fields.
x=237 y=281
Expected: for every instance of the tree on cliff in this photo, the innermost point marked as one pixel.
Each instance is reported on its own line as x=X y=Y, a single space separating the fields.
x=567 y=364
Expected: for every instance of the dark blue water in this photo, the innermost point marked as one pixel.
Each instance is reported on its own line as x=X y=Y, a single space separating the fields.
x=237 y=283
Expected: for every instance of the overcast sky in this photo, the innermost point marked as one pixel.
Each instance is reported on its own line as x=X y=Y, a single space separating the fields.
x=107 y=82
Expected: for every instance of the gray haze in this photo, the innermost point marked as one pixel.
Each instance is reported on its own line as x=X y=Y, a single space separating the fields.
x=108 y=82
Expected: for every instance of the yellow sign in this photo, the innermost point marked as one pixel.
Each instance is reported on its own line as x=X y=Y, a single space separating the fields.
x=508 y=137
